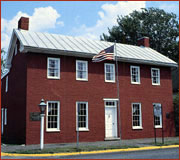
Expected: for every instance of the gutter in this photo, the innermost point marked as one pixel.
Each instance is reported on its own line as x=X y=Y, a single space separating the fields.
x=90 y=55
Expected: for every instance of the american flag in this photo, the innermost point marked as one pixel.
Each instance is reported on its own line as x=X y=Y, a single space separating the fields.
x=106 y=54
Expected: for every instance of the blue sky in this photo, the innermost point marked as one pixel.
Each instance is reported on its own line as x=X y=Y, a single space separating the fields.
x=89 y=19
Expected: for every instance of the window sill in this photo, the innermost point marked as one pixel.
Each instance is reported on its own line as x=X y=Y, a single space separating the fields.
x=110 y=81
x=135 y=83
x=135 y=128
x=158 y=127
x=81 y=79
x=81 y=130
x=52 y=130
x=53 y=77
x=154 y=84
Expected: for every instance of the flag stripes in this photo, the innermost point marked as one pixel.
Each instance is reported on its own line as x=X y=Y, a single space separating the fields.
x=106 y=54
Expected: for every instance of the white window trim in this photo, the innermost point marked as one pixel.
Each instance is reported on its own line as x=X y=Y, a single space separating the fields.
x=158 y=126
x=58 y=119
x=87 y=127
x=16 y=50
x=156 y=84
x=2 y=121
x=82 y=79
x=6 y=84
x=111 y=81
x=51 y=77
x=137 y=127
x=138 y=74
x=5 y=116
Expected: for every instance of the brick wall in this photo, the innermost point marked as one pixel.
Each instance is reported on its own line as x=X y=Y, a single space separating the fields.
x=15 y=100
x=68 y=90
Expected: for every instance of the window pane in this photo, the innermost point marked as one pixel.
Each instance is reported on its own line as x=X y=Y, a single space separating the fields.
x=52 y=116
x=136 y=115
x=82 y=114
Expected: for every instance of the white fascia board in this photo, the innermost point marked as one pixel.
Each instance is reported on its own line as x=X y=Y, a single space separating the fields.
x=90 y=55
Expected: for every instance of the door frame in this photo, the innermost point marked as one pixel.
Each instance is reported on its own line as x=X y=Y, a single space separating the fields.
x=115 y=114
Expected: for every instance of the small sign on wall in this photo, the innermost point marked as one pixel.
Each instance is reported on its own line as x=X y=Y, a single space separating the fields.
x=35 y=116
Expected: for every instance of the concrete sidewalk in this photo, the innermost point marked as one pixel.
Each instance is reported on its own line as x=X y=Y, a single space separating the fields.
x=133 y=142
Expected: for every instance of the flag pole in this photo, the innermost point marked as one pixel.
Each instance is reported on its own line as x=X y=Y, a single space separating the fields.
x=118 y=90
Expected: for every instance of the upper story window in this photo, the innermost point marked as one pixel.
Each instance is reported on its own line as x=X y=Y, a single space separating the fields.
x=109 y=72
x=136 y=116
x=82 y=116
x=53 y=116
x=16 y=49
x=53 y=68
x=155 y=76
x=135 y=74
x=6 y=84
x=81 y=70
x=157 y=115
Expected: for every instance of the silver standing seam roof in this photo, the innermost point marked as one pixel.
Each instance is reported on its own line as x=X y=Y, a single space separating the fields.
x=79 y=46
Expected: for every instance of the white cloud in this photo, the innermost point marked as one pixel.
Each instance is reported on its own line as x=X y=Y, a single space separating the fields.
x=41 y=20
x=108 y=18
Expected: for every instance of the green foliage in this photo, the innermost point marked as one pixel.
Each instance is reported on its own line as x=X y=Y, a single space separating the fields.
x=176 y=112
x=161 y=27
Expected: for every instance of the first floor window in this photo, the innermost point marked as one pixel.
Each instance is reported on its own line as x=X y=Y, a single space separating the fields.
x=135 y=75
x=82 y=115
x=109 y=72
x=81 y=70
x=5 y=116
x=53 y=115
x=157 y=115
x=136 y=116
x=7 y=84
x=53 y=70
x=155 y=76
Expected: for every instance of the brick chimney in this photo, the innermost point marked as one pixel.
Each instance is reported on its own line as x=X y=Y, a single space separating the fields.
x=23 y=23
x=144 y=41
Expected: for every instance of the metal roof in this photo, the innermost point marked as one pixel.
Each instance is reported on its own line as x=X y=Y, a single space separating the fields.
x=58 y=44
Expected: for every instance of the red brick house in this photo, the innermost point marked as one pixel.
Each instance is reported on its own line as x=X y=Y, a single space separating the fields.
x=60 y=70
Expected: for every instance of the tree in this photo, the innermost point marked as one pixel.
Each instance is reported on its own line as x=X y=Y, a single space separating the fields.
x=2 y=61
x=176 y=112
x=161 y=27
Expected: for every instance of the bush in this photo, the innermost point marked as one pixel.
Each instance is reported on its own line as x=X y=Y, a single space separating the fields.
x=176 y=113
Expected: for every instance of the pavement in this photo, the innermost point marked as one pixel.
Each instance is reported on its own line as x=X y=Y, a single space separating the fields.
x=143 y=144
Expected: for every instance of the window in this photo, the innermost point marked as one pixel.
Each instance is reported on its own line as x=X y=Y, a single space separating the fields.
x=157 y=115
x=135 y=75
x=5 y=116
x=81 y=70
x=109 y=72
x=136 y=116
x=82 y=116
x=2 y=119
x=15 y=51
x=53 y=68
x=155 y=76
x=7 y=84
x=53 y=112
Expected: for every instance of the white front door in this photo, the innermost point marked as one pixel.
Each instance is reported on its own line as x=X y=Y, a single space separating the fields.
x=111 y=120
